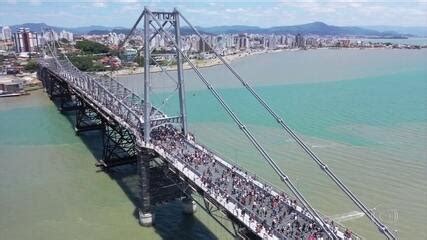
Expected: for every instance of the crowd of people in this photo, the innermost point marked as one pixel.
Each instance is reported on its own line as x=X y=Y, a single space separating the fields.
x=272 y=214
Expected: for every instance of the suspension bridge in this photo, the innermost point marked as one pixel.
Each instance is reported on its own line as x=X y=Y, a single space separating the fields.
x=170 y=163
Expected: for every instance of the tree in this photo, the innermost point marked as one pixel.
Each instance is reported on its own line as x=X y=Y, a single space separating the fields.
x=97 y=67
x=139 y=60
x=86 y=63
x=31 y=66
x=91 y=47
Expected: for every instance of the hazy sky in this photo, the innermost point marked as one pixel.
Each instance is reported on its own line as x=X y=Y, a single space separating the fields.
x=214 y=13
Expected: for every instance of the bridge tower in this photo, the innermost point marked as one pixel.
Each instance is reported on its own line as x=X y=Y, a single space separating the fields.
x=150 y=33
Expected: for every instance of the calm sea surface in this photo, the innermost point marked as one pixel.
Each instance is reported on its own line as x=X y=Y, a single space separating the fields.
x=363 y=111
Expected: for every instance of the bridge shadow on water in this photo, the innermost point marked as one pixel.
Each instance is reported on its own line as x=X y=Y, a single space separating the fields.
x=170 y=222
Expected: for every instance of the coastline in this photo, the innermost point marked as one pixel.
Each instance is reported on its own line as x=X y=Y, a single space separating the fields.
x=198 y=63
x=215 y=61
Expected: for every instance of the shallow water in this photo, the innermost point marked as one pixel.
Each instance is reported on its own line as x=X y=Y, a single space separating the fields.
x=363 y=111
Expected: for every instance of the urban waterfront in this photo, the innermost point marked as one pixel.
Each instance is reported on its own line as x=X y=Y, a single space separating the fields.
x=363 y=111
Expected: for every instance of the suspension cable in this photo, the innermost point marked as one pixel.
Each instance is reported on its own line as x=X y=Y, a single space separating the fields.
x=249 y=135
x=165 y=101
x=382 y=227
x=54 y=54
x=131 y=31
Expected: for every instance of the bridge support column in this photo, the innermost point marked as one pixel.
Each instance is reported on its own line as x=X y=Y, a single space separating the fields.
x=188 y=204
x=146 y=216
x=146 y=219
x=49 y=85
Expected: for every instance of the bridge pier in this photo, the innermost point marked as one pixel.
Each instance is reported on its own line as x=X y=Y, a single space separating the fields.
x=146 y=219
x=189 y=206
x=146 y=216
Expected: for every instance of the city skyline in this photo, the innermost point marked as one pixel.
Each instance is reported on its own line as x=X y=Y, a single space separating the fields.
x=267 y=14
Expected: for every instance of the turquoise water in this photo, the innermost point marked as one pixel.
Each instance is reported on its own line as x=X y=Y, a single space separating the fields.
x=363 y=112
x=374 y=101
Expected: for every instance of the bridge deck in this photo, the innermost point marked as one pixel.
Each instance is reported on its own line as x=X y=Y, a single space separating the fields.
x=269 y=214
x=266 y=212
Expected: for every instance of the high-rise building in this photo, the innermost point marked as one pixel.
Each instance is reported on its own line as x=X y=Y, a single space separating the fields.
x=49 y=36
x=25 y=40
x=283 y=40
x=113 y=39
x=299 y=41
x=229 y=41
x=270 y=42
x=243 y=41
x=203 y=46
x=66 y=35
x=194 y=44
x=290 y=41
x=7 y=33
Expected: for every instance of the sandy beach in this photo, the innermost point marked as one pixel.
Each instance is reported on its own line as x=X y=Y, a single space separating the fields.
x=197 y=62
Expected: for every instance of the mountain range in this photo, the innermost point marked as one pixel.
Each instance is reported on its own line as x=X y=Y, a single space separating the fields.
x=317 y=28
x=413 y=30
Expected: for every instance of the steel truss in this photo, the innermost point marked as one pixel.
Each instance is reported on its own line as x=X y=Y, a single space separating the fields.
x=164 y=186
x=87 y=118
x=119 y=146
x=103 y=92
x=57 y=89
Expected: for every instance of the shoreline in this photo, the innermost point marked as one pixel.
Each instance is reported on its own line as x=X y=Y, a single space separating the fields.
x=198 y=63
x=215 y=61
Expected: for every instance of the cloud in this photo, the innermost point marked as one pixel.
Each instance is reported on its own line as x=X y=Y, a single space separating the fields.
x=35 y=2
x=99 y=3
x=127 y=1
x=221 y=12
x=200 y=11
x=236 y=10
x=136 y=7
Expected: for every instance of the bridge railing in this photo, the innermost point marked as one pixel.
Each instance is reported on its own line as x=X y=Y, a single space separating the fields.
x=273 y=188
x=127 y=96
x=93 y=89
x=110 y=93
x=172 y=157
